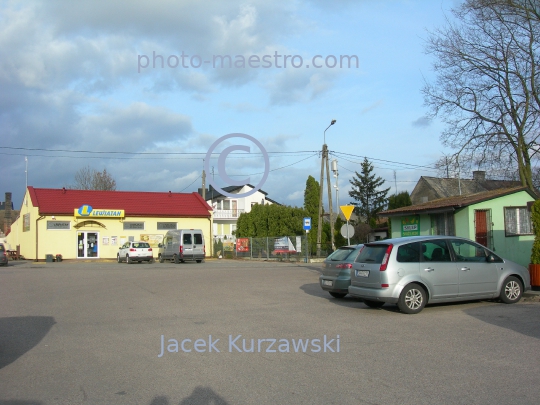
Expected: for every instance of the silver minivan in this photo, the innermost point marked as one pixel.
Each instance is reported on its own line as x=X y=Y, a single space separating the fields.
x=418 y=270
x=182 y=245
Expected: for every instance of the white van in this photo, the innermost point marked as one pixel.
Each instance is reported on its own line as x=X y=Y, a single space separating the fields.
x=181 y=245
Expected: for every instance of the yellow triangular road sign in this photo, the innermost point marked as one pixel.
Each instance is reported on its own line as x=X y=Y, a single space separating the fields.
x=347 y=210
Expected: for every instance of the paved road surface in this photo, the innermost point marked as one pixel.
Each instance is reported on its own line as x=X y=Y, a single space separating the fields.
x=90 y=333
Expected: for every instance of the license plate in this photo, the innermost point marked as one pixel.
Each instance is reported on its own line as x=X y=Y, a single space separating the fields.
x=362 y=273
x=327 y=282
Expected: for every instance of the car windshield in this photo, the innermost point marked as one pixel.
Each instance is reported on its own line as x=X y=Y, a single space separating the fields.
x=372 y=254
x=141 y=245
x=341 y=254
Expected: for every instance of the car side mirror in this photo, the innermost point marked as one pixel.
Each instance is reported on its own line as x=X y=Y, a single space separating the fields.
x=159 y=245
x=490 y=259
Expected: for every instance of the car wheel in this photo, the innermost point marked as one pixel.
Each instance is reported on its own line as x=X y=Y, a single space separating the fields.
x=511 y=290
x=337 y=295
x=412 y=299
x=161 y=260
x=176 y=259
x=118 y=259
x=128 y=260
x=198 y=261
x=374 y=304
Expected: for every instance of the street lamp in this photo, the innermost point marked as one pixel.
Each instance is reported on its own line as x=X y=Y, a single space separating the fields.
x=324 y=162
x=324 y=135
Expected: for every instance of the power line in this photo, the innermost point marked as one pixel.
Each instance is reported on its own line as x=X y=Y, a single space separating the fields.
x=191 y=183
x=195 y=155
x=143 y=153
x=341 y=154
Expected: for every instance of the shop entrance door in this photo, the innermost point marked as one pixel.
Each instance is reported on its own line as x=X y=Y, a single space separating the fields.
x=87 y=244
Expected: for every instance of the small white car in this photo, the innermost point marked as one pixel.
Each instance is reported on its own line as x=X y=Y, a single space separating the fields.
x=135 y=252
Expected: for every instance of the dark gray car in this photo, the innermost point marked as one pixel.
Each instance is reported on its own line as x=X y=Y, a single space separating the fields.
x=414 y=271
x=336 y=270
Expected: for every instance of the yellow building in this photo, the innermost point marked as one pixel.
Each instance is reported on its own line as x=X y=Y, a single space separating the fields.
x=90 y=224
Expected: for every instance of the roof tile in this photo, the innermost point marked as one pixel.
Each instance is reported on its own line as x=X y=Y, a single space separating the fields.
x=134 y=203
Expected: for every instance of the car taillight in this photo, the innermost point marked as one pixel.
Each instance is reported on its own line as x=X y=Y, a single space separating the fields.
x=386 y=257
x=344 y=266
x=181 y=251
x=150 y=249
x=132 y=250
x=385 y=285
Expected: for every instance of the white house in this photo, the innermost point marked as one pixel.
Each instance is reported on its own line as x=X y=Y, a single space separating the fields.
x=228 y=209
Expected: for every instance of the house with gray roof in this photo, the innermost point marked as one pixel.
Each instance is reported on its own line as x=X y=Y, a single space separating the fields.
x=499 y=219
x=433 y=188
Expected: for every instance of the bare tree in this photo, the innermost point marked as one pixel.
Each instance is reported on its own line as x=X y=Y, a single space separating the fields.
x=88 y=178
x=487 y=86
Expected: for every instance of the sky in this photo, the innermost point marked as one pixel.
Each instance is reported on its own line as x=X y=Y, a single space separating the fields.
x=138 y=88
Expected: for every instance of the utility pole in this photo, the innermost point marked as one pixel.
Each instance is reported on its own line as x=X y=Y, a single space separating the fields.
x=319 y=223
x=203 y=185
x=324 y=163
x=330 y=201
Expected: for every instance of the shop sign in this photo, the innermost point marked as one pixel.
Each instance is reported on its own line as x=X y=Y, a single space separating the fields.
x=242 y=245
x=58 y=225
x=153 y=239
x=410 y=225
x=89 y=212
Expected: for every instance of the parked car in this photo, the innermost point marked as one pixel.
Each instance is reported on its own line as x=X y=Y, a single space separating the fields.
x=135 y=252
x=181 y=245
x=336 y=270
x=414 y=271
x=3 y=255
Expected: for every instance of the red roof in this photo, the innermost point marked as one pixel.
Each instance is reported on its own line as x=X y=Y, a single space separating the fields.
x=134 y=203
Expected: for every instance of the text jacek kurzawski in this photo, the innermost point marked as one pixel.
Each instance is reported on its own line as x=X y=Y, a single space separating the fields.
x=238 y=344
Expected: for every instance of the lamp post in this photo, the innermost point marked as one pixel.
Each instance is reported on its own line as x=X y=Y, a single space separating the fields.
x=324 y=162
x=324 y=134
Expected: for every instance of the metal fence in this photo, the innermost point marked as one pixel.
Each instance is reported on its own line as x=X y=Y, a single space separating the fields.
x=293 y=248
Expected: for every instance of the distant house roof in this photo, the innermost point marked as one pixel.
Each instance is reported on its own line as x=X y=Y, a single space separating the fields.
x=134 y=203
x=434 y=187
x=453 y=203
x=212 y=193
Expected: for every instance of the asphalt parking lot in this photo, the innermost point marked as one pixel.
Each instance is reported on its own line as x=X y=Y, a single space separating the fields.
x=91 y=333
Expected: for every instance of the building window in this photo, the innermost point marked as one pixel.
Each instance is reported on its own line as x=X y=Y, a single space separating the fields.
x=443 y=224
x=133 y=226
x=165 y=226
x=517 y=221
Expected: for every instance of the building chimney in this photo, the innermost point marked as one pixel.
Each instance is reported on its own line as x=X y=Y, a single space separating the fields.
x=7 y=214
x=479 y=175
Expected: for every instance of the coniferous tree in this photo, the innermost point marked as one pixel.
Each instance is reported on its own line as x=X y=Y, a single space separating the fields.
x=369 y=200
x=402 y=199
x=311 y=205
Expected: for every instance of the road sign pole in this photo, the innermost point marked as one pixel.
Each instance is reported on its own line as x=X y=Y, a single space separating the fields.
x=307 y=246
x=348 y=238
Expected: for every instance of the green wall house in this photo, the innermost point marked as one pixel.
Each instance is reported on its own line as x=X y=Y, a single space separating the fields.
x=498 y=219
